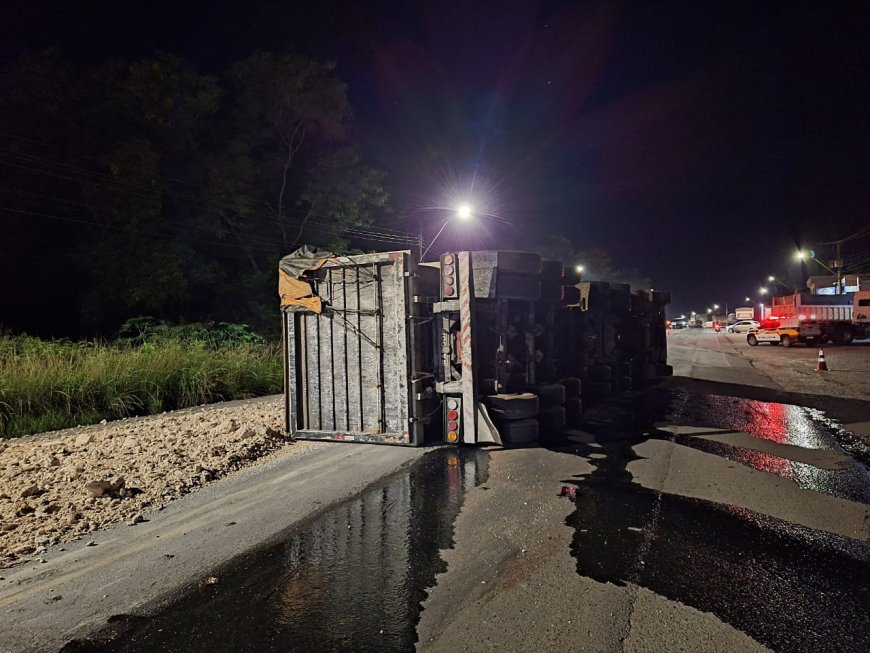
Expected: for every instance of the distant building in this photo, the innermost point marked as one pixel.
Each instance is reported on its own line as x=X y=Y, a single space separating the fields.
x=826 y=285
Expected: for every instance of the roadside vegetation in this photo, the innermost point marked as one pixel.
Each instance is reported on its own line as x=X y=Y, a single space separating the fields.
x=151 y=367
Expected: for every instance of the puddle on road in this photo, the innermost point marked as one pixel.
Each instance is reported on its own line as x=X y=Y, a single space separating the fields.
x=352 y=579
x=787 y=586
x=778 y=423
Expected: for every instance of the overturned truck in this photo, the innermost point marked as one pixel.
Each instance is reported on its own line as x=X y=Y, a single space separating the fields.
x=479 y=347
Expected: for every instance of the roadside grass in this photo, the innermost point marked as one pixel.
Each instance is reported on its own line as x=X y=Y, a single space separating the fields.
x=47 y=385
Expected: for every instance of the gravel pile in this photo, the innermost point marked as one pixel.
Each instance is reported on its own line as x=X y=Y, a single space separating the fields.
x=60 y=486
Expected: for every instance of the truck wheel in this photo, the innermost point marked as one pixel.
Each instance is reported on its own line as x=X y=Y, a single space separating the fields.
x=785 y=341
x=512 y=407
x=551 y=425
x=552 y=394
x=572 y=386
x=573 y=408
x=519 y=432
x=518 y=287
x=596 y=391
x=843 y=337
x=601 y=373
x=752 y=340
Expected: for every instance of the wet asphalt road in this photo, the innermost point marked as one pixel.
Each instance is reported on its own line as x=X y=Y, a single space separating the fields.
x=714 y=523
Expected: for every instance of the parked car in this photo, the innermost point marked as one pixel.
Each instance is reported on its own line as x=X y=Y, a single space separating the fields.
x=743 y=326
x=679 y=324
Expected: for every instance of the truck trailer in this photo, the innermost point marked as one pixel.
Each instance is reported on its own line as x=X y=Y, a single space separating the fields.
x=841 y=318
x=492 y=346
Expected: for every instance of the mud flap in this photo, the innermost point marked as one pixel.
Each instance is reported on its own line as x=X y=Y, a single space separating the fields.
x=486 y=430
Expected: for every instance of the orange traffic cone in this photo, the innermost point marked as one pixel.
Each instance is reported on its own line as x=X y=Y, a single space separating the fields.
x=821 y=366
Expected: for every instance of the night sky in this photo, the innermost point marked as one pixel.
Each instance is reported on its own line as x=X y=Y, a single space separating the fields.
x=698 y=142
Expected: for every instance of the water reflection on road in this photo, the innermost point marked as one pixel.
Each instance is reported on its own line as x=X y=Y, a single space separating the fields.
x=350 y=580
x=778 y=423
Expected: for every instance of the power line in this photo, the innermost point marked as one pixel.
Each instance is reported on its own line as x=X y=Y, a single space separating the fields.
x=184 y=196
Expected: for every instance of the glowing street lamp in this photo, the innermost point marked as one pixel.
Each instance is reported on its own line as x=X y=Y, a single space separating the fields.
x=762 y=291
x=579 y=269
x=749 y=299
x=463 y=214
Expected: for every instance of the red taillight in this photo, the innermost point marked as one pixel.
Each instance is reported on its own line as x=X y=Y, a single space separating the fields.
x=452 y=415
x=448 y=281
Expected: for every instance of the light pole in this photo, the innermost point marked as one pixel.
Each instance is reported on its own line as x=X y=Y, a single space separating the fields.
x=463 y=214
x=802 y=255
x=773 y=279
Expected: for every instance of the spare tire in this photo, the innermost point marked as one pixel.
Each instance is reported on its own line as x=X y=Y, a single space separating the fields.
x=551 y=427
x=508 y=407
x=552 y=418
x=573 y=408
x=518 y=432
x=572 y=386
x=596 y=391
x=552 y=394
x=601 y=373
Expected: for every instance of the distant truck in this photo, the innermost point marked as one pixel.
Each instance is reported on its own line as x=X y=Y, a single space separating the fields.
x=841 y=318
x=479 y=347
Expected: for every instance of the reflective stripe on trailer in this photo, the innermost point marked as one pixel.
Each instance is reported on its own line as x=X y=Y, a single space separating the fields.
x=468 y=427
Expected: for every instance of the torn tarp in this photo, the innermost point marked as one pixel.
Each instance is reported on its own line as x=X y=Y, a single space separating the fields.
x=294 y=277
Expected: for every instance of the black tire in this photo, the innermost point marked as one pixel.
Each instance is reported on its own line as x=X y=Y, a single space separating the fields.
x=510 y=407
x=622 y=383
x=596 y=391
x=601 y=373
x=752 y=340
x=551 y=425
x=523 y=263
x=572 y=387
x=521 y=432
x=551 y=270
x=552 y=394
x=573 y=408
x=785 y=341
x=516 y=287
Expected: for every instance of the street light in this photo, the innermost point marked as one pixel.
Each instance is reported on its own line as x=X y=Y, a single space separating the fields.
x=463 y=213
x=802 y=255
x=749 y=299
x=579 y=269
x=762 y=291
x=773 y=279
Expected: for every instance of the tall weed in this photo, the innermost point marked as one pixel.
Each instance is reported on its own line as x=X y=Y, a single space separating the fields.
x=56 y=384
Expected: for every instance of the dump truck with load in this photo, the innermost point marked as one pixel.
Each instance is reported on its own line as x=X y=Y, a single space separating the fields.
x=841 y=318
x=479 y=347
